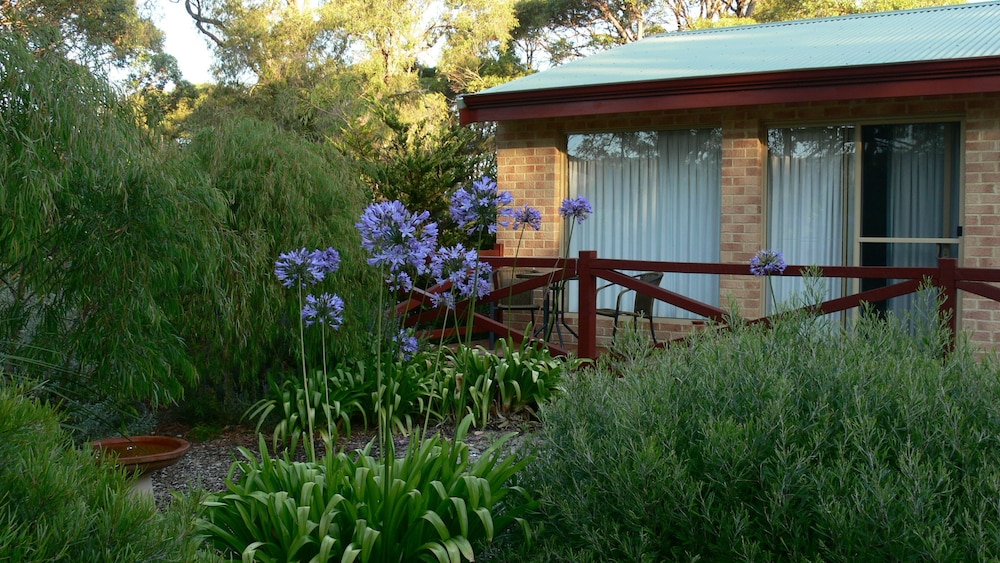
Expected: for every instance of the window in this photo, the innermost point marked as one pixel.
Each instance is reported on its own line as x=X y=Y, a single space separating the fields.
x=657 y=195
x=872 y=195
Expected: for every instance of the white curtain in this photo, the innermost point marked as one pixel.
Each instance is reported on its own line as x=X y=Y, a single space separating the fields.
x=810 y=175
x=916 y=176
x=656 y=196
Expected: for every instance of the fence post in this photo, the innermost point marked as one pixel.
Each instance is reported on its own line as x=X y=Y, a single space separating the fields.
x=946 y=280
x=587 y=345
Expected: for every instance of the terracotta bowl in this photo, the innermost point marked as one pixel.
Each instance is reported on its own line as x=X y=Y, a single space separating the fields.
x=141 y=453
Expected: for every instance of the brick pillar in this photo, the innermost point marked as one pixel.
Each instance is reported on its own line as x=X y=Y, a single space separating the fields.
x=531 y=164
x=742 y=209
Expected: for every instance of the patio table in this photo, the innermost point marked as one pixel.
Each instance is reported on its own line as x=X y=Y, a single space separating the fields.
x=553 y=311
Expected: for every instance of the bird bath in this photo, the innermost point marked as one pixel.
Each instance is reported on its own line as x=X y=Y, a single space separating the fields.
x=142 y=455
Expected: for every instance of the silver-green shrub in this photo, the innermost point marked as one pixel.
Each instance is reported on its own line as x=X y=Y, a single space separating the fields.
x=805 y=441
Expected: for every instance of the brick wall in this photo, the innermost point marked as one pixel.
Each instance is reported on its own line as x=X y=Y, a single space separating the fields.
x=532 y=165
x=981 y=221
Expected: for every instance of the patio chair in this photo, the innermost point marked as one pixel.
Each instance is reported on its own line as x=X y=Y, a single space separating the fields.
x=641 y=307
x=523 y=301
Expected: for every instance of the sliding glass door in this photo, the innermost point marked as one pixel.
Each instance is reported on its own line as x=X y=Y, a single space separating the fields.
x=871 y=195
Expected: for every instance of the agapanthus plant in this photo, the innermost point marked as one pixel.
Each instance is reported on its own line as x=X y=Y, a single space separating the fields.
x=400 y=244
x=480 y=208
x=398 y=241
x=300 y=269
x=408 y=343
x=767 y=262
x=525 y=217
x=574 y=210
x=326 y=309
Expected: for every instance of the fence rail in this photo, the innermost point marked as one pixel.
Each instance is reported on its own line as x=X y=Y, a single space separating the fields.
x=588 y=270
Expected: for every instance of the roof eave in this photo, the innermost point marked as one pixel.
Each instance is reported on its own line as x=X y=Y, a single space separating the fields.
x=955 y=76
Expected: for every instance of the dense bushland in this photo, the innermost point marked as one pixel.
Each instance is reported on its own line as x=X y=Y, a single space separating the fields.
x=799 y=443
x=134 y=268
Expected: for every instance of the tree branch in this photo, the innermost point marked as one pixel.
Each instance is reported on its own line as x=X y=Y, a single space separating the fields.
x=194 y=9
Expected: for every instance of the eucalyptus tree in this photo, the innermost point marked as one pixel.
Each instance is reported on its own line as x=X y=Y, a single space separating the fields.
x=555 y=31
x=100 y=33
x=781 y=10
x=351 y=52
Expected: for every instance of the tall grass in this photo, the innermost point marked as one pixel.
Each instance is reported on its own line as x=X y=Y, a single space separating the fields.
x=801 y=442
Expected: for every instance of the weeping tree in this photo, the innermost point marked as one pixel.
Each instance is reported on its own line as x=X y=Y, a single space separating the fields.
x=136 y=266
x=282 y=193
x=106 y=238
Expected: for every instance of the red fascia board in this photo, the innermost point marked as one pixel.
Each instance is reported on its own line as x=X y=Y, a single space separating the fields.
x=960 y=76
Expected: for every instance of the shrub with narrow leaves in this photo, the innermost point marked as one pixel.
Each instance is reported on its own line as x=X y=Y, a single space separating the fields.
x=58 y=504
x=799 y=442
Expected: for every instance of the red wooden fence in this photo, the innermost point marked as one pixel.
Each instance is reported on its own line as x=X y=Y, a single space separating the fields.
x=588 y=269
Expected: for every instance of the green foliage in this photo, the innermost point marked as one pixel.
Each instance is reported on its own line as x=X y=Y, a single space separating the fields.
x=91 y=30
x=94 y=261
x=528 y=376
x=282 y=193
x=344 y=393
x=419 y=163
x=438 y=501
x=57 y=504
x=405 y=395
x=466 y=383
x=782 y=10
x=802 y=442
x=475 y=381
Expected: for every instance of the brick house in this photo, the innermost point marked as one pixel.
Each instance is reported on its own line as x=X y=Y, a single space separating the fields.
x=860 y=140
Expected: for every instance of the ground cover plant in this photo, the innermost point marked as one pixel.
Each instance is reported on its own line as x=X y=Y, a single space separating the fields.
x=799 y=442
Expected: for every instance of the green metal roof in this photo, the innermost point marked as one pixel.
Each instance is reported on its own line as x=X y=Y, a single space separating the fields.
x=955 y=32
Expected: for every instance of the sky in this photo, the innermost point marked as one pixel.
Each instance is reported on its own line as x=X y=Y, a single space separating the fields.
x=183 y=40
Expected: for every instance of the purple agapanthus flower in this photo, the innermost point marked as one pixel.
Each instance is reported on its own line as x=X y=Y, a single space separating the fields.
x=326 y=309
x=329 y=259
x=408 y=343
x=397 y=239
x=299 y=268
x=527 y=217
x=767 y=262
x=465 y=272
x=577 y=208
x=482 y=207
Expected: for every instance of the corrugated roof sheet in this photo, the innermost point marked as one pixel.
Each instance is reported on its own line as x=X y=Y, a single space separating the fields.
x=943 y=33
